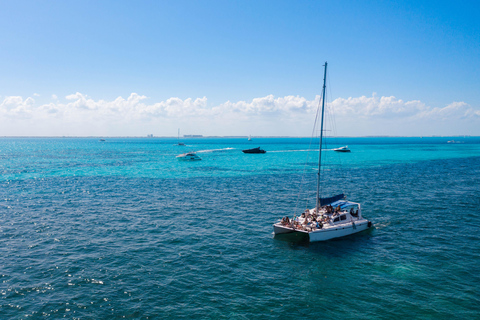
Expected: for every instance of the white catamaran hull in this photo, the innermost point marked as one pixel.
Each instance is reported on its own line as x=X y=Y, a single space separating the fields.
x=326 y=233
x=338 y=231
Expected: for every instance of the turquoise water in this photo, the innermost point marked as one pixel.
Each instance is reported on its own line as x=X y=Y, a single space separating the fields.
x=122 y=229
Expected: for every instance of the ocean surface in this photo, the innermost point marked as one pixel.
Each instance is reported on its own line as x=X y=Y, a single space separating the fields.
x=121 y=229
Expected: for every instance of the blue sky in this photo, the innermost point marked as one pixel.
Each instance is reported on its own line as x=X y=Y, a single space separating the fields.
x=238 y=67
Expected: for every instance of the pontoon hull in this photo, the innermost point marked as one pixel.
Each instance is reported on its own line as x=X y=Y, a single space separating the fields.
x=279 y=229
x=338 y=232
x=326 y=233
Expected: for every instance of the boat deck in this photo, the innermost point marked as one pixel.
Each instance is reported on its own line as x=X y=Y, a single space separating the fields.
x=325 y=225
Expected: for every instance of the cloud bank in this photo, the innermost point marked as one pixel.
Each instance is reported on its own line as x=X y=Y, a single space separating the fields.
x=79 y=115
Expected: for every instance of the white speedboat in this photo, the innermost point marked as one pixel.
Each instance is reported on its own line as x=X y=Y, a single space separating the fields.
x=332 y=217
x=342 y=149
x=189 y=156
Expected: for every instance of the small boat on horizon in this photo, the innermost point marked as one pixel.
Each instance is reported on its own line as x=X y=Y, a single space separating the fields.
x=342 y=149
x=178 y=139
x=189 y=156
x=254 y=150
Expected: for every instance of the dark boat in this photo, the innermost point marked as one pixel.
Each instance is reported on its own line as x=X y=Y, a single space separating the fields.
x=342 y=149
x=254 y=150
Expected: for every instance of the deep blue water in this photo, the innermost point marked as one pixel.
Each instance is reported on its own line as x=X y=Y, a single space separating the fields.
x=121 y=229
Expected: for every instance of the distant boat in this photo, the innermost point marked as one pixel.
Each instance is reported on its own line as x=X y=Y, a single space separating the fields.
x=254 y=150
x=102 y=139
x=332 y=217
x=178 y=139
x=249 y=138
x=342 y=149
x=189 y=156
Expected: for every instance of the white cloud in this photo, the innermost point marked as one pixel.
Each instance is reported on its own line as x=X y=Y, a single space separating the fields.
x=176 y=108
x=79 y=114
x=380 y=107
x=455 y=110
x=16 y=107
x=270 y=105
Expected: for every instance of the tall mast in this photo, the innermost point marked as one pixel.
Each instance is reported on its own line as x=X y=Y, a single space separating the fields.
x=321 y=138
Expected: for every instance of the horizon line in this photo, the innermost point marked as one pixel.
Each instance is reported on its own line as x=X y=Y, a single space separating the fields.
x=218 y=136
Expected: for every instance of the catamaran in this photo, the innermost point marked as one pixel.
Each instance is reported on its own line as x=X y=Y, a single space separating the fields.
x=332 y=217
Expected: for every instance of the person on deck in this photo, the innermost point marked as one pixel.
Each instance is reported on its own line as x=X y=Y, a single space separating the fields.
x=329 y=209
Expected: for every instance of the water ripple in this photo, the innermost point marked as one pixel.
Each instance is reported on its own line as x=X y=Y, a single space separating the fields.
x=94 y=247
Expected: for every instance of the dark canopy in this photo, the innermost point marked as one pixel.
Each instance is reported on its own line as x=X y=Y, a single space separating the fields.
x=325 y=201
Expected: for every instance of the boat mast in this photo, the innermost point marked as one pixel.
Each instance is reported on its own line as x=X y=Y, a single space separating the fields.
x=321 y=138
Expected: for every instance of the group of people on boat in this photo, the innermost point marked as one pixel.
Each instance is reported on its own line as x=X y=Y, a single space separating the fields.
x=311 y=221
x=330 y=209
x=308 y=224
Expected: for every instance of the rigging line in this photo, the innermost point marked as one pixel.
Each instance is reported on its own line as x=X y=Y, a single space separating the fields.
x=336 y=164
x=312 y=137
x=319 y=175
x=315 y=129
x=301 y=191
x=324 y=145
x=326 y=141
x=339 y=169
